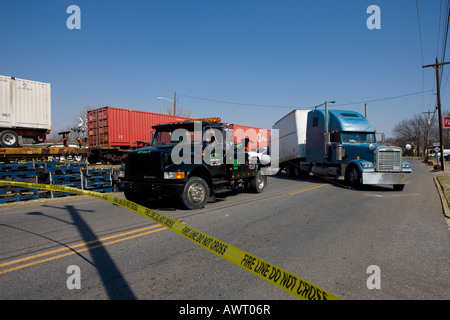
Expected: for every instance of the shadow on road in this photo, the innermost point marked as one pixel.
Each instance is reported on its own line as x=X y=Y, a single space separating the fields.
x=113 y=281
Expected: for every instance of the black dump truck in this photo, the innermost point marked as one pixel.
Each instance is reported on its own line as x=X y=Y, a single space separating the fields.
x=192 y=160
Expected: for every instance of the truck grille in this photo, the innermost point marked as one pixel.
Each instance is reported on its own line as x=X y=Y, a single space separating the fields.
x=144 y=163
x=389 y=159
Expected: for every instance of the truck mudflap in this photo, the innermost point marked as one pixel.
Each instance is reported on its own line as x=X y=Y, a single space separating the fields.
x=385 y=178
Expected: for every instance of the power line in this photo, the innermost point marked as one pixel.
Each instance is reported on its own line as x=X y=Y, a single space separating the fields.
x=239 y=103
x=420 y=32
x=444 y=47
x=293 y=107
x=383 y=99
x=446 y=30
x=443 y=28
x=439 y=29
x=421 y=49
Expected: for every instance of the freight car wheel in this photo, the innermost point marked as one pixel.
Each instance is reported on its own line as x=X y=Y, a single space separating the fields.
x=9 y=139
x=195 y=193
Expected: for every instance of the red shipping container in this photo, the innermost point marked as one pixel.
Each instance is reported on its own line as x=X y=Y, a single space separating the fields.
x=116 y=127
x=259 y=138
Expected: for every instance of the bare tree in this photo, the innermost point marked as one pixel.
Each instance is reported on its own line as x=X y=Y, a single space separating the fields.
x=419 y=131
x=181 y=111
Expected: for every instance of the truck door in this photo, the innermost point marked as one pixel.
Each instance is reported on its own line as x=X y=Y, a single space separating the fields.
x=315 y=137
x=213 y=152
x=240 y=167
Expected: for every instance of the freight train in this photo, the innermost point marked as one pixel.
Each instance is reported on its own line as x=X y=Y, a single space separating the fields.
x=110 y=132
x=113 y=132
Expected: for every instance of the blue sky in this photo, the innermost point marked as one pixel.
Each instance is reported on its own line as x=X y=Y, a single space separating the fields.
x=266 y=57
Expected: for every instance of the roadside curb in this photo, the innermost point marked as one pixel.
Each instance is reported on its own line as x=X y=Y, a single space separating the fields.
x=445 y=207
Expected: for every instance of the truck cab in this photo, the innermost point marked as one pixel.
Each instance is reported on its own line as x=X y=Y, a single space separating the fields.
x=192 y=160
x=347 y=146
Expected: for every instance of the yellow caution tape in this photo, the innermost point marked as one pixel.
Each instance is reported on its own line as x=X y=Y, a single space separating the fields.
x=265 y=270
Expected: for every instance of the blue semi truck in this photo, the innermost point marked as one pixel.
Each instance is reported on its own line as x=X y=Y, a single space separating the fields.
x=338 y=143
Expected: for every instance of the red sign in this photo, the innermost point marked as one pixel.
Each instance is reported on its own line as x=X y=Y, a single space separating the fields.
x=446 y=122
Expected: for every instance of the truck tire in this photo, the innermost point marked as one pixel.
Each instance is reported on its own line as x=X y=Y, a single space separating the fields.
x=290 y=170
x=353 y=178
x=258 y=183
x=297 y=171
x=9 y=139
x=300 y=173
x=399 y=187
x=195 y=194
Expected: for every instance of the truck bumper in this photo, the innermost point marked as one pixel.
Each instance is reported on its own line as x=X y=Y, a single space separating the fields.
x=386 y=178
x=152 y=189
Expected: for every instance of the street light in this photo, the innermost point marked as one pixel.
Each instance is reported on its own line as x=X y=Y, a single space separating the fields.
x=174 y=102
x=162 y=98
x=324 y=104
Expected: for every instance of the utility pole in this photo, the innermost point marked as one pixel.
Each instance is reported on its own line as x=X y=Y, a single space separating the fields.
x=436 y=66
x=428 y=132
x=175 y=104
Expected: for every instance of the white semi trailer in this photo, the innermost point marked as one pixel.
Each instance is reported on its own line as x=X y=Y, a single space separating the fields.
x=25 y=111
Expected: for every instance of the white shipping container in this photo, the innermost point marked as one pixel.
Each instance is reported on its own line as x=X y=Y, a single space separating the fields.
x=24 y=104
x=292 y=135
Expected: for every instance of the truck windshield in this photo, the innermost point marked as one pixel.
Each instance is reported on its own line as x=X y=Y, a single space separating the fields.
x=358 y=137
x=161 y=138
x=171 y=138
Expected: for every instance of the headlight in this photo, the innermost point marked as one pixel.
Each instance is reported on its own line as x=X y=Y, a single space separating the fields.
x=367 y=165
x=174 y=175
x=406 y=165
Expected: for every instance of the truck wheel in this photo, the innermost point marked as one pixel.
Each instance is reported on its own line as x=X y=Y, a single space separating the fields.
x=354 y=178
x=398 y=187
x=9 y=139
x=297 y=171
x=290 y=170
x=258 y=183
x=300 y=173
x=195 y=193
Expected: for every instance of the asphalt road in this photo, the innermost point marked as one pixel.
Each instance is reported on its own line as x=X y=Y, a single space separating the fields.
x=320 y=231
